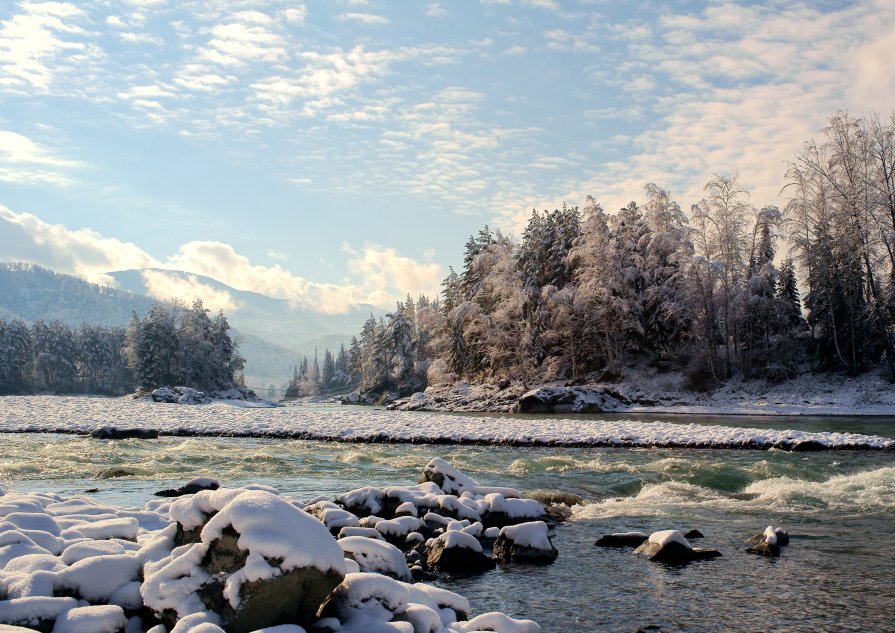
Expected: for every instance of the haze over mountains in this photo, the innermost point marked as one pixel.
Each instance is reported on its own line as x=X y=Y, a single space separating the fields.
x=272 y=334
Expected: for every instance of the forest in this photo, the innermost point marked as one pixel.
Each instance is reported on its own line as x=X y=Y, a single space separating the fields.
x=171 y=345
x=713 y=293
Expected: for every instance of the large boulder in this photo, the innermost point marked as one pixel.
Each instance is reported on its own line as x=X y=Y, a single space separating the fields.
x=456 y=551
x=559 y=400
x=670 y=547
x=259 y=562
x=526 y=543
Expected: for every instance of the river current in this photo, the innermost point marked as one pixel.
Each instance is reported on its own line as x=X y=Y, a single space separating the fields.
x=837 y=574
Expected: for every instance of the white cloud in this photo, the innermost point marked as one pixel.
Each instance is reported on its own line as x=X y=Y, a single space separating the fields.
x=25 y=237
x=365 y=18
x=170 y=287
x=24 y=160
x=379 y=275
x=736 y=89
x=296 y=14
x=39 y=43
x=435 y=10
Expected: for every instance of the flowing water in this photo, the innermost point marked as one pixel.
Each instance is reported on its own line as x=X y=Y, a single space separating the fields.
x=838 y=573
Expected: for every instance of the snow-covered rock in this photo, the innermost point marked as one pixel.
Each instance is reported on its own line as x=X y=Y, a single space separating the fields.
x=456 y=551
x=768 y=543
x=376 y=556
x=670 y=547
x=525 y=542
x=179 y=395
x=259 y=561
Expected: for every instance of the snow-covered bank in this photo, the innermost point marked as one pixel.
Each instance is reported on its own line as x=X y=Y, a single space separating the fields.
x=650 y=392
x=61 y=414
x=244 y=560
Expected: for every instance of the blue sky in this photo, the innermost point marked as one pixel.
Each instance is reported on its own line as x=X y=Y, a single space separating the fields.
x=340 y=152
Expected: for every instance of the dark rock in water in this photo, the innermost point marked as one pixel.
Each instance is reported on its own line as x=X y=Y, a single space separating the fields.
x=649 y=628
x=525 y=543
x=114 y=433
x=91 y=491
x=764 y=549
x=457 y=552
x=768 y=542
x=802 y=446
x=114 y=473
x=622 y=539
x=693 y=534
x=670 y=547
x=191 y=487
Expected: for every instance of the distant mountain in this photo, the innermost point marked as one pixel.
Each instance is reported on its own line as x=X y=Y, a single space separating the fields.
x=272 y=337
x=269 y=318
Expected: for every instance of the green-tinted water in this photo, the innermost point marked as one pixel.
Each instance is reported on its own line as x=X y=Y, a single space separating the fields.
x=839 y=507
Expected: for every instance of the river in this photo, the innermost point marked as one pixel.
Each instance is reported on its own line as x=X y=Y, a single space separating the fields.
x=838 y=506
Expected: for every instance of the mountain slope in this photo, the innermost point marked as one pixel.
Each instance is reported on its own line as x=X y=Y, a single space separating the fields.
x=32 y=293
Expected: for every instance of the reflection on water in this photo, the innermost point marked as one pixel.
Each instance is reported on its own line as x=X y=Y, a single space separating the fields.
x=839 y=507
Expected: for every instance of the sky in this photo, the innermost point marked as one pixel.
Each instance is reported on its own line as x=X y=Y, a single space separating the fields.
x=340 y=152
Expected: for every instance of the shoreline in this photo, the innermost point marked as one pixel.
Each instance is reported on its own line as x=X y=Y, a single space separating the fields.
x=648 y=392
x=122 y=419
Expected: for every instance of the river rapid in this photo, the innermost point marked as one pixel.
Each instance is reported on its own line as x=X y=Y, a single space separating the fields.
x=838 y=506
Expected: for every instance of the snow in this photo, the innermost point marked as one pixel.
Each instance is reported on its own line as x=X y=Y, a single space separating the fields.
x=532 y=534
x=497 y=622
x=25 y=611
x=666 y=537
x=93 y=619
x=770 y=535
x=455 y=538
x=271 y=527
x=401 y=526
x=376 y=556
x=81 y=415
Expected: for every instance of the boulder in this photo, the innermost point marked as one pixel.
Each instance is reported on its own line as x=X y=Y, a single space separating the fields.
x=622 y=539
x=526 y=543
x=115 y=433
x=363 y=599
x=691 y=534
x=96 y=619
x=191 y=487
x=259 y=562
x=558 y=400
x=456 y=551
x=670 y=547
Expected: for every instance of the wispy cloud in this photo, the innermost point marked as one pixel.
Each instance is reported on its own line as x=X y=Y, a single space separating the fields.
x=364 y=18
x=24 y=160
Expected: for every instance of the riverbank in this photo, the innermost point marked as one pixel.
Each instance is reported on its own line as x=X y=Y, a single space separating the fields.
x=82 y=415
x=646 y=391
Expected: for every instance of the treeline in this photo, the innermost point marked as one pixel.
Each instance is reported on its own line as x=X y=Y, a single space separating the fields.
x=312 y=378
x=172 y=345
x=585 y=293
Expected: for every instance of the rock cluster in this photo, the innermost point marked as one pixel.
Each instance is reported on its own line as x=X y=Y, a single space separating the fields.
x=250 y=560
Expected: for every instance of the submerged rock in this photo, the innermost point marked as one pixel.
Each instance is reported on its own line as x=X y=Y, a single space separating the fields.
x=191 y=487
x=115 y=433
x=670 y=547
x=622 y=539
